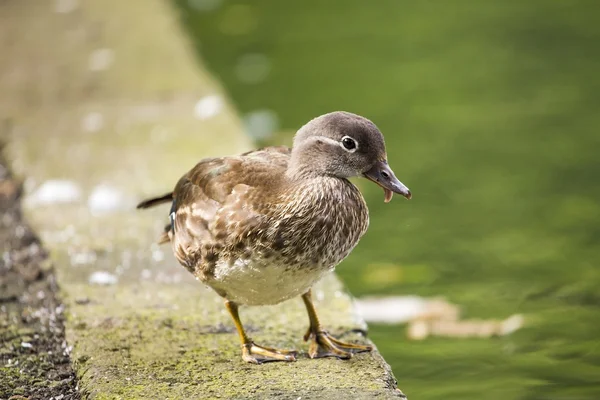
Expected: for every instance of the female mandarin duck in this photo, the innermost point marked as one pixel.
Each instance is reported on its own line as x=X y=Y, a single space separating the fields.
x=264 y=226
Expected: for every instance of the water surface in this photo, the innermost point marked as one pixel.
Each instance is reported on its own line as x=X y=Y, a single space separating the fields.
x=491 y=115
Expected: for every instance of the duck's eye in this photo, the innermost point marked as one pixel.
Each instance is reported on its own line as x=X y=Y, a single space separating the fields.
x=349 y=143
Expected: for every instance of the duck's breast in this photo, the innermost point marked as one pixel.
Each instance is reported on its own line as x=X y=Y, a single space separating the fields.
x=320 y=227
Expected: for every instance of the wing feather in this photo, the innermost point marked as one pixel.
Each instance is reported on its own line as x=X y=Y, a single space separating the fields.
x=214 y=203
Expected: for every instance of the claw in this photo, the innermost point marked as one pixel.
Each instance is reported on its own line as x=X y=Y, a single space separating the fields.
x=325 y=345
x=256 y=354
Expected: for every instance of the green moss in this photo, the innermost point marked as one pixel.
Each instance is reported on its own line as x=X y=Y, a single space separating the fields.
x=143 y=350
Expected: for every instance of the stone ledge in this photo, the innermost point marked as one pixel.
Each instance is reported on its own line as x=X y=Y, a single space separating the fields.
x=128 y=131
x=175 y=341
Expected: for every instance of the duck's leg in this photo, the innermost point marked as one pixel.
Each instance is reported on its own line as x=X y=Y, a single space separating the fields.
x=322 y=344
x=252 y=352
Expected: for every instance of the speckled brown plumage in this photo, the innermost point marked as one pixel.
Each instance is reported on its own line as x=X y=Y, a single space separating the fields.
x=264 y=226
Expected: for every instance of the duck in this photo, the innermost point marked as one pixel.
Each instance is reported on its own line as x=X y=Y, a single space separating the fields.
x=264 y=226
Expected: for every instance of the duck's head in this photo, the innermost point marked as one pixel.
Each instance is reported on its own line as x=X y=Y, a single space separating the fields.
x=345 y=145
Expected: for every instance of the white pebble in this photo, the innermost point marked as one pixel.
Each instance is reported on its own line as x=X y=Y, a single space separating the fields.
x=102 y=278
x=158 y=255
x=55 y=191
x=209 y=106
x=83 y=257
x=105 y=199
x=146 y=274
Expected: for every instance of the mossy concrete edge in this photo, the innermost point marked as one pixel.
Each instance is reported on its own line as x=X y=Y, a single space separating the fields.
x=149 y=340
x=131 y=127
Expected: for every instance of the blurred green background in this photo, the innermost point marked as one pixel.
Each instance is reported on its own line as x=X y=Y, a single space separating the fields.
x=491 y=111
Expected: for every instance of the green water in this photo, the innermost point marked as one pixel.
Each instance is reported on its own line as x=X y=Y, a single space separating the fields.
x=491 y=111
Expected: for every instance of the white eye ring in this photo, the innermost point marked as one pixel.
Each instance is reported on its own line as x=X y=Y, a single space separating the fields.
x=349 y=144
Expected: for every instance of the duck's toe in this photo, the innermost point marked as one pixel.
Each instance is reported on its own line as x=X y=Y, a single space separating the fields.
x=256 y=354
x=324 y=345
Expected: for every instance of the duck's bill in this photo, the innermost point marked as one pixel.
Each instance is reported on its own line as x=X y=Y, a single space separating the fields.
x=382 y=174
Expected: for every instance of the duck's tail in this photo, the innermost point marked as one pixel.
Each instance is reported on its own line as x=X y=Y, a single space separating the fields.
x=154 y=201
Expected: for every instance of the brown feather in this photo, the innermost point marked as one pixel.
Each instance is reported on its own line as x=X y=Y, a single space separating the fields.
x=263 y=226
x=226 y=208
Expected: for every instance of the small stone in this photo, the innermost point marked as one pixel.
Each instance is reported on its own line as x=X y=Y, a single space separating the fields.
x=158 y=255
x=146 y=274
x=105 y=199
x=102 y=278
x=20 y=231
x=209 y=106
x=55 y=191
x=83 y=257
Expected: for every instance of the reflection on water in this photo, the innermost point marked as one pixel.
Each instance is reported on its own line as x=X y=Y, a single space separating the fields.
x=490 y=111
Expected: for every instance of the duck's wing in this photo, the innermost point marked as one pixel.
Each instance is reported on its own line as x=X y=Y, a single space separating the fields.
x=219 y=201
x=215 y=178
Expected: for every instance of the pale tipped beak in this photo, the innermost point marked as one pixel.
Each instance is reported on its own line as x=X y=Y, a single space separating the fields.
x=382 y=174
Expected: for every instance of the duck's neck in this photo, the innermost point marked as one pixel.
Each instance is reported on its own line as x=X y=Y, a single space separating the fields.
x=300 y=175
x=300 y=168
x=317 y=192
x=324 y=217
